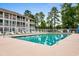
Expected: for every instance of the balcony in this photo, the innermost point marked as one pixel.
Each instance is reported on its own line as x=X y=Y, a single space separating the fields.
x=6 y=23
x=27 y=20
x=12 y=23
x=23 y=24
x=10 y=16
x=23 y=18
x=18 y=18
x=32 y=23
x=18 y=24
x=1 y=24
x=14 y=17
x=6 y=16
x=1 y=16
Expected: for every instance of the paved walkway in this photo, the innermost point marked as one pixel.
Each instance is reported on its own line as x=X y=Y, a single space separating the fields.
x=13 y=47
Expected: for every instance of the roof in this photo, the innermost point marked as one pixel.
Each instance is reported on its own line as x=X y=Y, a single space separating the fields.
x=12 y=12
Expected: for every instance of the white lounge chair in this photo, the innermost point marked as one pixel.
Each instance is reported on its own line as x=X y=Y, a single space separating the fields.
x=68 y=31
x=0 y=33
x=26 y=32
x=7 y=33
x=18 y=33
x=61 y=31
x=12 y=33
x=23 y=32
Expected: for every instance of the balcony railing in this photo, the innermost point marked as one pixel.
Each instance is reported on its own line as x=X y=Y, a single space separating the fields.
x=1 y=24
x=18 y=25
x=6 y=17
x=32 y=22
x=1 y=16
x=13 y=24
x=14 y=18
x=6 y=24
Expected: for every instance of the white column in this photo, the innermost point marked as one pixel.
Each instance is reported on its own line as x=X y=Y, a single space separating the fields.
x=25 y=25
x=9 y=23
x=28 y=25
x=20 y=23
x=3 y=22
x=12 y=23
x=16 y=29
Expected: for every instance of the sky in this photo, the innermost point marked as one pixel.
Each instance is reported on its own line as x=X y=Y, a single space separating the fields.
x=33 y=7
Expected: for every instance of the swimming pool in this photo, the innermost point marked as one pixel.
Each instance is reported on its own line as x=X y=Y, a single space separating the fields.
x=45 y=39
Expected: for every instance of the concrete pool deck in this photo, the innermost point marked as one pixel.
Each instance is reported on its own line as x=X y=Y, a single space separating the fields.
x=14 y=47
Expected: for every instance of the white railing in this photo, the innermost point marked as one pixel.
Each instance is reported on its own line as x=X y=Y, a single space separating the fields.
x=1 y=23
x=56 y=30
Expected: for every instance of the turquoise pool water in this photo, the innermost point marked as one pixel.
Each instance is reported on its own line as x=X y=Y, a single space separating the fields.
x=45 y=39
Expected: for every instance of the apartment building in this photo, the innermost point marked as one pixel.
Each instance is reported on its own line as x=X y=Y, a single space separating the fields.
x=14 y=22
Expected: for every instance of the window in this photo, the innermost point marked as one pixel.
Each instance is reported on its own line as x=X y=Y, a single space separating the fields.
x=18 y=17
x=26 y=19
x=10 y=23
x=23 y=18
x=13 y=23
x=1 y=29
x=26 y=24
x=23 y=24
x=13 y=29
x=6 y=23
x=6 y=29
x=10 y=16
x=6 y=15
x=1 y=22
x=18 y=23
x=1 y=14
x=14 y=17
